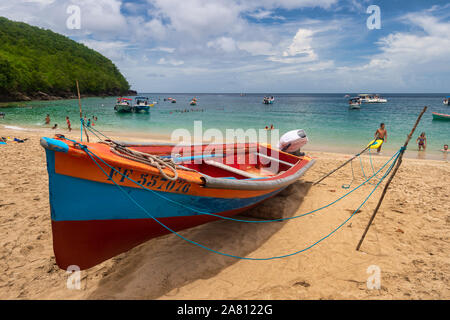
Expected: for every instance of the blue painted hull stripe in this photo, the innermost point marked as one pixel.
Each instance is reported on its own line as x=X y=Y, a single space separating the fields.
x=75 y=199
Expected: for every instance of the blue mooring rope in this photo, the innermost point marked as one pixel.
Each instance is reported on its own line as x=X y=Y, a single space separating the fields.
x=91 y=154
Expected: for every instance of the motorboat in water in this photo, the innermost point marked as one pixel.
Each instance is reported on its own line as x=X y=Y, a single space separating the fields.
x=372 y=98
x=123 y=105
x=354 y=103
x=268 y=100
x=446 y=101
x=142 y=104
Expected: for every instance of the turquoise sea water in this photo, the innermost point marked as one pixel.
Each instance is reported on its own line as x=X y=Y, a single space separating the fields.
x=326 y=118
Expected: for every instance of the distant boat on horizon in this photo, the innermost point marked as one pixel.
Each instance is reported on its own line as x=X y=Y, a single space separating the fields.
x=269 y=100
x=447 y=100
x=372 y=98
x=354 y=103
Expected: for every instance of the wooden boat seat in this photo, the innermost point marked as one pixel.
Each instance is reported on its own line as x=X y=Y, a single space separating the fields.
x=231 y=169
x=273 y=159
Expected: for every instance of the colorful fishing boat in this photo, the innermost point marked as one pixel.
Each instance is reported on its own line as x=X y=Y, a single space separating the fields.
x=123 y=105
x=441 y=116
x=193 y=102
x=105 y=207
x=142 y=104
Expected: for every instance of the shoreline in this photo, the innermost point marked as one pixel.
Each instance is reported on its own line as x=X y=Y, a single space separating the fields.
x=42 y=96
x=159 y=137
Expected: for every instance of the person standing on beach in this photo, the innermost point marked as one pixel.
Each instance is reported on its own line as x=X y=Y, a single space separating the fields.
x=68 y=124
x=47 y=119
x=381 y=134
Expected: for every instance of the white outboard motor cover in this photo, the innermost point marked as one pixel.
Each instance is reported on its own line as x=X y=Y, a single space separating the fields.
x=292 y=141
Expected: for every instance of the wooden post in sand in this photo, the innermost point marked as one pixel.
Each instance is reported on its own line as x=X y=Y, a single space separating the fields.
x=399 y=162
x=81 y=113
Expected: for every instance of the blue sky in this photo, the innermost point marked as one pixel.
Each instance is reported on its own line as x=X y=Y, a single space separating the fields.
x=259 y=45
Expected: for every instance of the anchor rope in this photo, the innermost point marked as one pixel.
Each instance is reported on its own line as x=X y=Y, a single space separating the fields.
x=85 y=148
x=145 y=158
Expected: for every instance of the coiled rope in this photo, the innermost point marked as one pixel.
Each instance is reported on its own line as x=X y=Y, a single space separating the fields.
x=145 y=158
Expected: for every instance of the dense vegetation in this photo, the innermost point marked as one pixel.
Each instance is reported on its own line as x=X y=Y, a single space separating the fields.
x=34 y=60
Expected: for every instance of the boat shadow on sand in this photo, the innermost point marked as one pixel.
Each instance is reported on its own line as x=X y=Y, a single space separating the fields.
x=161 y=265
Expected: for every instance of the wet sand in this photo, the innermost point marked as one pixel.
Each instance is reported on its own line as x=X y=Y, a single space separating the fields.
x=409 y=241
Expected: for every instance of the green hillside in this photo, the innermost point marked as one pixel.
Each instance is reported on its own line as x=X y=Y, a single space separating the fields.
x=34 y=60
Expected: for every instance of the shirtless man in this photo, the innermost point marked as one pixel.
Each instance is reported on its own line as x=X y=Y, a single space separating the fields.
x=381 y=133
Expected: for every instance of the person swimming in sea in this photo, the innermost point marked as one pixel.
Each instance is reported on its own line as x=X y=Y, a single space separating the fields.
x=55 y=126
x=47 y=119
x=381 y=134
x=445 y=150
x=422 y=141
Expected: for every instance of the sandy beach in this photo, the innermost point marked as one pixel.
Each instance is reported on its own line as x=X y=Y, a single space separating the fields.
x=408 y=242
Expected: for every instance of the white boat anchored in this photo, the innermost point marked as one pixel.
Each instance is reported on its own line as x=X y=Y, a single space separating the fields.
x=354 y=103
x=123 y=105
x=269 y=100
x=372 y=98
x=446 y=101
x=142 y=104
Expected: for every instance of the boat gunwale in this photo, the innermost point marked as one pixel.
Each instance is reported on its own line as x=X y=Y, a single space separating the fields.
x=264 y=183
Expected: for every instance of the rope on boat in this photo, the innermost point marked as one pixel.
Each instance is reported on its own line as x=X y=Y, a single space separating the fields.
x=145 y=158
x=85 y=148
x=134 y=155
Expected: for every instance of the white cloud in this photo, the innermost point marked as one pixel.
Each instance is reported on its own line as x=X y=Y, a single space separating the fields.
x=410 y=52
x=163 y=49
x=42 y=2
x=261 y=14
x=226 y=44
x=172 y=62
x=199 y=18
x=114 y=50
x=301 y=44
x=257 y=48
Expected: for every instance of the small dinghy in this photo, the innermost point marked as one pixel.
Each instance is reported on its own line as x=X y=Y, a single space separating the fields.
x=441 y=116
x=102 y=208
x=446 y=101
x=354 y=103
